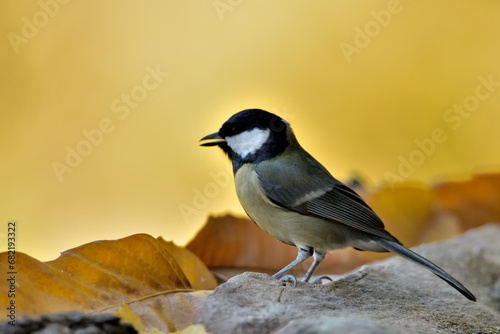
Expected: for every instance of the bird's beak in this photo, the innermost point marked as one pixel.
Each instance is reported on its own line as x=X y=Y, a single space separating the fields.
x=213 y=143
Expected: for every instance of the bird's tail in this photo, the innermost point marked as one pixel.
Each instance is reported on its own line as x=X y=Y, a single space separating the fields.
x=400 y=250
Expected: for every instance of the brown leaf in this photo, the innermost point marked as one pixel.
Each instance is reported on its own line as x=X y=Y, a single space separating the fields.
x=165 y=313
x=102 y=273
x=128 y=315
x=231 y=242
x=195 y=270
x=474 y=202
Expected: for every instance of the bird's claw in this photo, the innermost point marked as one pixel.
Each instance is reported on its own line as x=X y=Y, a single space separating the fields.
x=290 y=279
x=319 y=279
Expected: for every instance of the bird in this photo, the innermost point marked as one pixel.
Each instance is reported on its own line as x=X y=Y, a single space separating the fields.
x=292 y=197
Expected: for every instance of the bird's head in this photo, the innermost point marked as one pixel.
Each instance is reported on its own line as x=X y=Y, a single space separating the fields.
x=251 y=136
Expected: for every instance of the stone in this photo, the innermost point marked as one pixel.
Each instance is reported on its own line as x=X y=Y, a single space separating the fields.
x=390 y=296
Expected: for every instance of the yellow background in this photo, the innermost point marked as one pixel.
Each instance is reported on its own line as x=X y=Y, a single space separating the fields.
x=357 y=113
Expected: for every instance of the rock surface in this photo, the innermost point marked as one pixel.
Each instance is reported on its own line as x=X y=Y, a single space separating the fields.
x=392 y=296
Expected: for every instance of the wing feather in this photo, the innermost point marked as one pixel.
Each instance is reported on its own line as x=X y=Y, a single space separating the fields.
x=335 y=205
x=322 y=196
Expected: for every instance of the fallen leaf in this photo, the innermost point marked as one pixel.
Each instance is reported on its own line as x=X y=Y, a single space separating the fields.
x=166 y=313
x=231 y=242
x=195 y=270
x=127 y=315
x=475 y=201
x=101 y=274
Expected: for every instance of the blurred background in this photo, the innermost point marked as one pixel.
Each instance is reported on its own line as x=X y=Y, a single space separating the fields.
x=104 y=103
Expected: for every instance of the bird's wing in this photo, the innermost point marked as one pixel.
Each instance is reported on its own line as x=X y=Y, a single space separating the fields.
x=322 y=195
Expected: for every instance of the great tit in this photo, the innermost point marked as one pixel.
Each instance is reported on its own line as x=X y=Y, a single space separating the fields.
x=291 y=196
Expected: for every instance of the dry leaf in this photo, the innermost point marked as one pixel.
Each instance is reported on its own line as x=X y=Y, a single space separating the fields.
x=100 y=274
x=475 y=202
x=165 y=313
x=229 y=241
x=127 y=315
x=195 y=270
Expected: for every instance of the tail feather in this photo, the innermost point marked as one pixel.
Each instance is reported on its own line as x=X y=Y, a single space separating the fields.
x=400 y=250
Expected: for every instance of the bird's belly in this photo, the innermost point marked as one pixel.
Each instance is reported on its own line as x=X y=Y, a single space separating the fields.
x=285 y=225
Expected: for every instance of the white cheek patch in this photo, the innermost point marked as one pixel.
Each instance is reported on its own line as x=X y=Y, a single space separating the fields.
x=248 y=142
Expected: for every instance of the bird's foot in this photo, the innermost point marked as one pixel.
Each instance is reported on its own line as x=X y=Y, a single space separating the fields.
x=290 y=279
x=320 y=279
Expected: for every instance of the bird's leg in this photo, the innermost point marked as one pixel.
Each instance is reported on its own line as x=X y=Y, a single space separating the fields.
x=318 y=257
x=303 y=255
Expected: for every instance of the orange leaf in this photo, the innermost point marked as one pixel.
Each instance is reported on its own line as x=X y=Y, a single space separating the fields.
x=100 y=274
x=475 y=202
x=229 y=241
x=165 y=313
